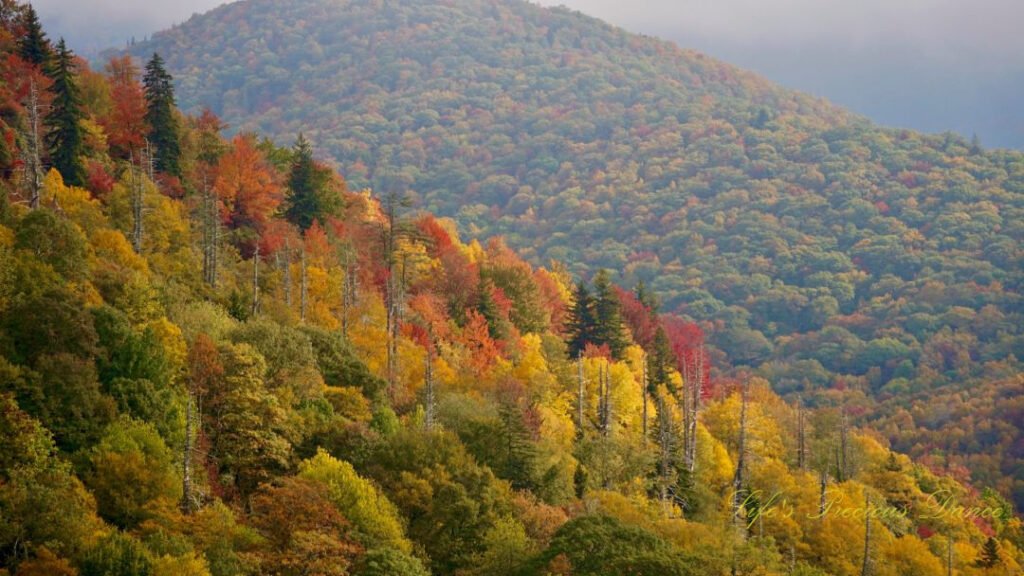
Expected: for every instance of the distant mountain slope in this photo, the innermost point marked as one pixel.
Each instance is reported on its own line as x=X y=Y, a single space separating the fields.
x=827 y=252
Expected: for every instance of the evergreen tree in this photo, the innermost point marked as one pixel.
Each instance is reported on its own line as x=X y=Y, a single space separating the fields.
x=310 y=195
x=64 y=134
x=989 y=554
x=581 y=322
x=647 y=298
x=608 y=315
x=519 y=454
x=33 y=47
x=488 y=308
x=160 y=117
x=660 y=361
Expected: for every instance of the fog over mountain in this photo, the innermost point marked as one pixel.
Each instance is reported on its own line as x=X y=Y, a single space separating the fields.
x=931 y=65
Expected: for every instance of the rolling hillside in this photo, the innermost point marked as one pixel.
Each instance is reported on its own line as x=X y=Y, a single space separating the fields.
x=822 y=251
x=216 y=359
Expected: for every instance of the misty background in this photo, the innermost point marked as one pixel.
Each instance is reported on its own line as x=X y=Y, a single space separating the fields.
x=931 y=65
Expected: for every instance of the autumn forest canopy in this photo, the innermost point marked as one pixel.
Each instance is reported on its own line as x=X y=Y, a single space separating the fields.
x=565 y=301
x=841 y=261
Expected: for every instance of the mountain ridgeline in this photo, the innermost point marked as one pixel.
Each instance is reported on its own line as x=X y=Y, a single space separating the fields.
x=832 y=256
x=218 y=359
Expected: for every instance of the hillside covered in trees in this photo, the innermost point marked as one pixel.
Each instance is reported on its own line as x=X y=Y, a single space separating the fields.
x=833 y=257
x=218 y=358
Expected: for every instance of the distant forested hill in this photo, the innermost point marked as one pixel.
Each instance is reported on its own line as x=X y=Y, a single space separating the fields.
x=826 y=253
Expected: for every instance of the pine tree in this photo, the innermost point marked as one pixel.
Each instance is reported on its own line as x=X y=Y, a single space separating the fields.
x=647 y=298
x=160 y=117
x=659 y=361
x=581 y=322
x=64 y=134
x=989 y=554
x=519 y=456
x=608 y=315
x=33 y=47
x=310 y=197
x=488 y=308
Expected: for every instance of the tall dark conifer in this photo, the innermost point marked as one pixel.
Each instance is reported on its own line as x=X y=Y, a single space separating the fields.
x=647 y=298
x=608 y=315
x=309 y=195
x=660 y=360
x=302 y=182
x=488 y=308
x=989 y=554
x=33 y=47
x=581 y=322
x=64 y=130
x=160 y=116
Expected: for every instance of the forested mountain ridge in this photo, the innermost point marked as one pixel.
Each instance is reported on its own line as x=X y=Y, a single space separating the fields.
x=834 y=257
x=216 y=359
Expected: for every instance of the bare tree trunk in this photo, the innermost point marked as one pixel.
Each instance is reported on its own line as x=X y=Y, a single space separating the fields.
x=866 y=567
x=392 y=324
x=949 y=555
x=822 y=484
x=603 y=408
x=388 y=238
x=137 y=208
x=581 y=397
x=346 y=296
x=209 y=219
x=256 y=281
x=738 y=478
x=186 y=460
x=643 y=392
x=303 y=290
x=665 y=441
x=844 y=471
x=429 y=391
x=606 y=424
x=696 y=385
x=287 y=274
x=214 y=240
x=33 y=163
x=801 y=433
x=687 y=379
x=150 y=161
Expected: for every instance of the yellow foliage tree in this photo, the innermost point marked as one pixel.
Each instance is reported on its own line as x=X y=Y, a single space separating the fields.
x=376 y=520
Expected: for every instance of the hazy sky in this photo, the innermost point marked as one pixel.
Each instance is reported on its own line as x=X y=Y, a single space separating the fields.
x=946 y=28
x=92 y=25
x=929 y=64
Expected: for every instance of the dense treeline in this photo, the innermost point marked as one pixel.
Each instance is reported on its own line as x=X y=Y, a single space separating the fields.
x=231 y=363
x=814 y=247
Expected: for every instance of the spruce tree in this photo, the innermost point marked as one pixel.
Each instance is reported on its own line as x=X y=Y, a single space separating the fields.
x=64 y=134
x=647 y=298
x=660 y=361
x=488 y=308
x=989 y=554
x=301 y=205
x=608 y=315
x=517 y=462
x=33 y=47
x=581 y=322
x=160 y=116
x=310 y=197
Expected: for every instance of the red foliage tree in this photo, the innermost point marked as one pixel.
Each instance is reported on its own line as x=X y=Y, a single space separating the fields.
x=125 y=123
x=687 y=341
x=642 y=321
